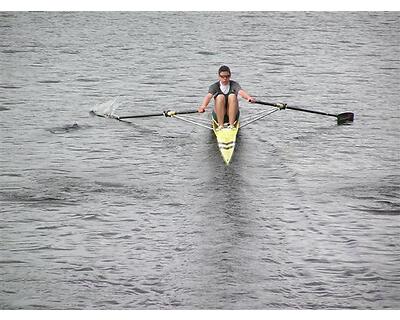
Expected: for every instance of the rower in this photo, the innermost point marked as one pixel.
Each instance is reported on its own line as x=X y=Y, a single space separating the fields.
x=225 y=92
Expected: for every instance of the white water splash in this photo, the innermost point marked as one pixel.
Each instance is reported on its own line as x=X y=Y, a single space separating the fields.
x=108 y=108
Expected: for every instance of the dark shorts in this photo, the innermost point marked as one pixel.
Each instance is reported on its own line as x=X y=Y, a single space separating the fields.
x=226 y=95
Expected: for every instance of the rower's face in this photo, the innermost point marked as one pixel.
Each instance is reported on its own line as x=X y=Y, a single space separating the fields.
x=224 y=77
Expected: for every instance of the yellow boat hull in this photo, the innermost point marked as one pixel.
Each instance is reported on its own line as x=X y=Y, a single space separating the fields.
x=226 y=139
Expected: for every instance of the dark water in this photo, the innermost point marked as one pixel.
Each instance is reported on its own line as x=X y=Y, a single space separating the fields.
x=98 y=214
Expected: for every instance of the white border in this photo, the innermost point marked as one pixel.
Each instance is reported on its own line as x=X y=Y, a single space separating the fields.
x=203 y=314
x=203 y=5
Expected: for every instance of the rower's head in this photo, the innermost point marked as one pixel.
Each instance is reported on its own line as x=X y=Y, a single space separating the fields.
x=224 y=74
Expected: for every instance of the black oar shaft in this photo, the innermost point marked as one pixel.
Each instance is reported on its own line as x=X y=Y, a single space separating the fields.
x=266 y=103
x=142 y=116
x=294 y=108
x=168 y=113
x=311 y=111
x=172 y=113
x=341 y=118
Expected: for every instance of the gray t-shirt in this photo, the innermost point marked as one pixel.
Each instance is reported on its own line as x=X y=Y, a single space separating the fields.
x=216 y=90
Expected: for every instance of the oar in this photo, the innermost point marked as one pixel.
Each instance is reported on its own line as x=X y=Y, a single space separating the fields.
x=341 y=117
x=167 y=113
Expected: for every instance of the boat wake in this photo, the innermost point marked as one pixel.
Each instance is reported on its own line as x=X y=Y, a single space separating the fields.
x=67 y=128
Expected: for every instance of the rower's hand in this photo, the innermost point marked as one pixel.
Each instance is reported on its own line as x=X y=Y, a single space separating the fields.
x=251 y=100
x=201 y=109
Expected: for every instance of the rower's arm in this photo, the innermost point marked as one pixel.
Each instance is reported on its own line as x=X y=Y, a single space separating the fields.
x=205 y=103
x=245 y=95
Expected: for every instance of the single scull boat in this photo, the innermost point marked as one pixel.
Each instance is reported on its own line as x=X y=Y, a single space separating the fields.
x=226 y=137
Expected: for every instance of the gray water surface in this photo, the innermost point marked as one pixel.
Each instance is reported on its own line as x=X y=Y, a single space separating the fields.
x=99 y=214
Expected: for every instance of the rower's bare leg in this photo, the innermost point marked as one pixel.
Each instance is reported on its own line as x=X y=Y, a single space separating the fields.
x=233 y=107
x=220 y=109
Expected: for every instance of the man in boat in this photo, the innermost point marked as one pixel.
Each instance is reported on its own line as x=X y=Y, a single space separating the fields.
x=225 y=92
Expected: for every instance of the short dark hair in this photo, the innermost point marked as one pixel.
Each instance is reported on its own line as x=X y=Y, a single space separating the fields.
x=224 y=68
